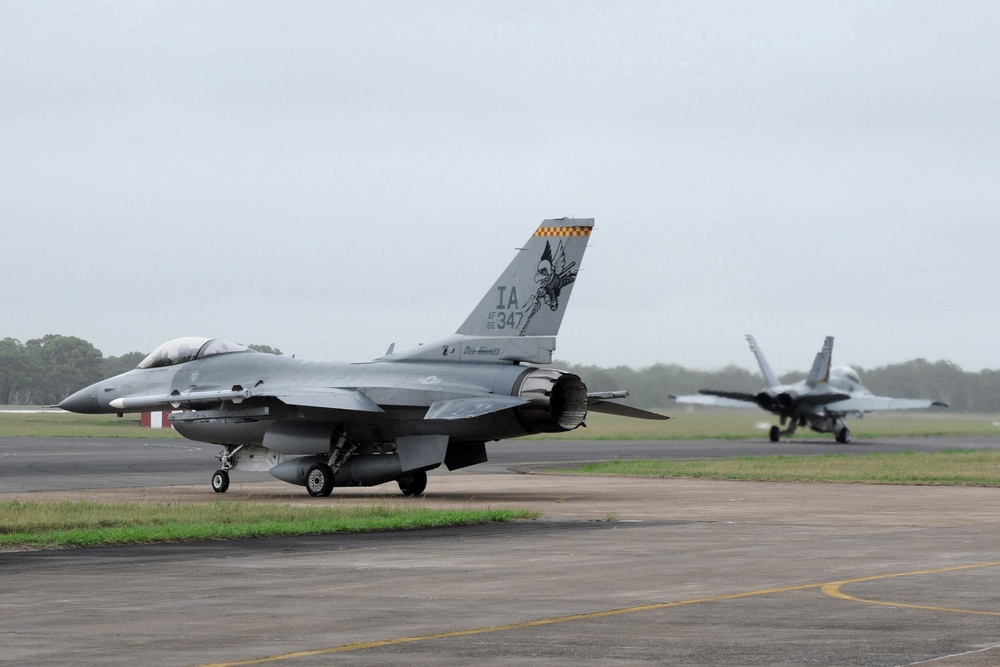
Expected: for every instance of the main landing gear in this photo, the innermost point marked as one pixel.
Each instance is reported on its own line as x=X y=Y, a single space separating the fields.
x=793 y=423
x=319 y=473
x=413 y=484
x=840 y=431
x=319 y=480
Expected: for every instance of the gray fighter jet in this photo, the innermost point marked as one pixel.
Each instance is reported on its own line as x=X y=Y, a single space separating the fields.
x=326 y=424
x=821 y=401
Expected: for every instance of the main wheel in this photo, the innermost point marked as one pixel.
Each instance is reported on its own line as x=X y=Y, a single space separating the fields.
x=220 y=481
x=775 y=434
x=413 y=484
x=844 y=435
x=319 y=480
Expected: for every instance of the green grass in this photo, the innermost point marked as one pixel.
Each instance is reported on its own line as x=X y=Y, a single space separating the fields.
x=686 y=424
x=948 y=468
x=61 y=524
x=71 y=425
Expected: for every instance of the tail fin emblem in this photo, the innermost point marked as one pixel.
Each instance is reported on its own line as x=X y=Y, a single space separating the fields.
x=552 y=275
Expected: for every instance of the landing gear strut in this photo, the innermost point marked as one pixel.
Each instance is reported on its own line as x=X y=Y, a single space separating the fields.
x=220 y=480
x=776 y=433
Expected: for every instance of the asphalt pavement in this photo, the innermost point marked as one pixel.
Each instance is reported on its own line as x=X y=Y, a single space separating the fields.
x=617 y=572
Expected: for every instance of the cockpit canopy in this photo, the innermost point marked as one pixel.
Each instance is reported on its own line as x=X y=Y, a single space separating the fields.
x=848 y=373
x=190 y=348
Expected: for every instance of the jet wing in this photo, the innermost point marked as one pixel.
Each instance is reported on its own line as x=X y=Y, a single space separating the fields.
x=327 y=398
x=721 y=399
x=874 y=403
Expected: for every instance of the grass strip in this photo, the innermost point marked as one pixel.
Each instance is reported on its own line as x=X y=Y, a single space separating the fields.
x=947 y=468
x=71 y=425
x=77 y=524
x=686 y=424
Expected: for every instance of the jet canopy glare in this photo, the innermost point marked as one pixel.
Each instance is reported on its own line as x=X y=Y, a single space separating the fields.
x=190 y=348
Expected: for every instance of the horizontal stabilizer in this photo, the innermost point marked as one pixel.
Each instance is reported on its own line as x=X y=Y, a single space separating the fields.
x=476 y=406
x=609 y=408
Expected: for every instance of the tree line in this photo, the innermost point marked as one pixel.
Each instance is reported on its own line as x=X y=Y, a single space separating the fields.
x=43 y=371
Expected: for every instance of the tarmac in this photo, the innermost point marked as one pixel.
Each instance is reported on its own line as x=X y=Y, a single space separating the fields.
x=616 y=572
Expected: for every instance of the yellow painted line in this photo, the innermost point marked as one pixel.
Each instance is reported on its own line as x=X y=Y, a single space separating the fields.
x=344 y=648
x=833 y=590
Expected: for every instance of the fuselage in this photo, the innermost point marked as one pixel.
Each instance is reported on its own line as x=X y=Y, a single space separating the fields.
x=403 y=390
x=805 y=399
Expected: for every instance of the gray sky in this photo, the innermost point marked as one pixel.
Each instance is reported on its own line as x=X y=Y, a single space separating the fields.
x=328 y=178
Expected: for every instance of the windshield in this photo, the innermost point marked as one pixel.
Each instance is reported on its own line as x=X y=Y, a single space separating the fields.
x=181 y=350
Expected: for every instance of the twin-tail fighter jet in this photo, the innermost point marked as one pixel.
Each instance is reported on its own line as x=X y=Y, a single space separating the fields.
x=822 y=400
x=327 y=424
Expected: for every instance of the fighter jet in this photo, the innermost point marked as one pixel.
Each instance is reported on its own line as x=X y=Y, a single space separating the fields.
x=821 y=401
x=327 y=424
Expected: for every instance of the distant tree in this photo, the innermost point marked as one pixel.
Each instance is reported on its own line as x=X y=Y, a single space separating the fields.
x=17 y=372
x=65 y=364
x=267 y=349
x=118 y=365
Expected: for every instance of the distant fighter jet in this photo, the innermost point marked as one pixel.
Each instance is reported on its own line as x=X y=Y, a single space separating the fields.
x=326 y=424
x=821 y=401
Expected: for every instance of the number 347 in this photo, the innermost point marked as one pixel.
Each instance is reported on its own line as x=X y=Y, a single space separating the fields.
x=498 y=320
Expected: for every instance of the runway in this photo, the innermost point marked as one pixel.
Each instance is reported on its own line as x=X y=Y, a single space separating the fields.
x=39 y=464
x=622 y=572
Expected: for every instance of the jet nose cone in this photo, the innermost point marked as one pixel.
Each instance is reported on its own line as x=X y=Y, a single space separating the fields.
x=84 y=401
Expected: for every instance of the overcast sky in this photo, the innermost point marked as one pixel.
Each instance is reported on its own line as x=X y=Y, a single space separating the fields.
x=331 y=177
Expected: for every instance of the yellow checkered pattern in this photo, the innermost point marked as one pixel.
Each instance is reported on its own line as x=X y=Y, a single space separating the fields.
x=563 y=231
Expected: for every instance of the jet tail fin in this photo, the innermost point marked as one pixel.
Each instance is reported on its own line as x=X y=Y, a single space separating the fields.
x=765 y=369
x=820 y=373
x=530 y=296
x=519 y=317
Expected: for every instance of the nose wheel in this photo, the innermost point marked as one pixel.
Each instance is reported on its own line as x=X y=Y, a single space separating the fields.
x=220 y=481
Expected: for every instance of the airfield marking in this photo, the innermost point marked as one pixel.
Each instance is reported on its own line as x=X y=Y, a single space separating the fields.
x=344 y=648
x=832 y=589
